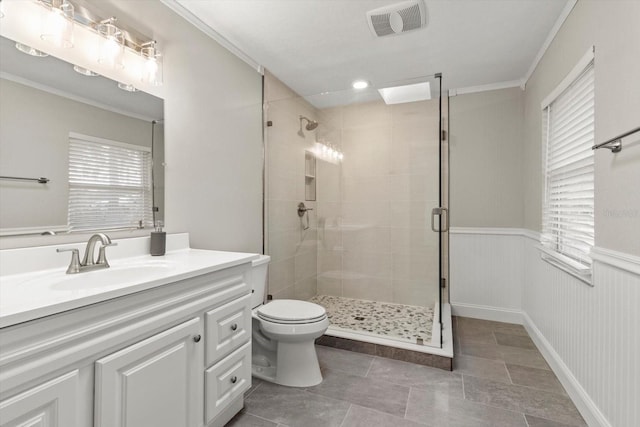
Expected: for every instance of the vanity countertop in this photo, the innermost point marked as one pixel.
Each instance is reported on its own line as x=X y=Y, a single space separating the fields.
x=27 y=296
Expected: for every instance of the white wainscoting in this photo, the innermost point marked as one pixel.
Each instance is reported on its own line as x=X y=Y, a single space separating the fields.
x=486 y=268
x=590 y=336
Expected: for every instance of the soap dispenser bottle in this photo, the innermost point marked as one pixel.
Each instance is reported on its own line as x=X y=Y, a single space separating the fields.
x=158 y=240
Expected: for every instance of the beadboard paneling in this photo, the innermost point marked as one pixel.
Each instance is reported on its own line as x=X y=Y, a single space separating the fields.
x=589 y=335
x=594 y=331
x=486 y=271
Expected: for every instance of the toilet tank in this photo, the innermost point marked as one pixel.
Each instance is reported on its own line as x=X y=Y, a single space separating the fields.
x=259 y=269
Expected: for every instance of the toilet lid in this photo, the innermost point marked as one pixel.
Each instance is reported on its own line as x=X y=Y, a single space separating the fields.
x=291 y=311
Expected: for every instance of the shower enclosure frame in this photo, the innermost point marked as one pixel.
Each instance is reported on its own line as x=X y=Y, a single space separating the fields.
x=442 y=316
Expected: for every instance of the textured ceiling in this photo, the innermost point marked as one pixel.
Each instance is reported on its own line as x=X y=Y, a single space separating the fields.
x=316 y=46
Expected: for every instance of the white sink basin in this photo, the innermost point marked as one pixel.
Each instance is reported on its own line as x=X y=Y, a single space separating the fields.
x=102 y=278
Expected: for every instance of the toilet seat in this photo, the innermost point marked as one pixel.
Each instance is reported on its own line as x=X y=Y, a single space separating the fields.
x=291 y=312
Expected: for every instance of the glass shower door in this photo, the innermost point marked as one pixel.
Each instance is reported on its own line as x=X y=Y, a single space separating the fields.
x=377 y=178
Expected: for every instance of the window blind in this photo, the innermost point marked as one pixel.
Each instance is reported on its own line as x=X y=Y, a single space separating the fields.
x=568 y=210
x=109 y=184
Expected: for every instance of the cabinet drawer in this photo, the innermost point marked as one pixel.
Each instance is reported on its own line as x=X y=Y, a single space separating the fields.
x=227 y=380
x=227 y=328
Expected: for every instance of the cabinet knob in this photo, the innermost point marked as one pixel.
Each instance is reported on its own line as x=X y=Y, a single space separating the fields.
x=197 y=338
x=234 y=326
x=234 y=379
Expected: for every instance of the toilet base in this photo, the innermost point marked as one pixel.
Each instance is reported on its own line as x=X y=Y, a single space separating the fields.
x=297 y=366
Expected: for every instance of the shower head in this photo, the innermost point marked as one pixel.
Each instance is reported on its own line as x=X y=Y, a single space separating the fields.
x=311 y=124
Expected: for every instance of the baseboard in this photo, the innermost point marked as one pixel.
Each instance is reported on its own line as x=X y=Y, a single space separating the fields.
x=588 y=409
x=484 y=312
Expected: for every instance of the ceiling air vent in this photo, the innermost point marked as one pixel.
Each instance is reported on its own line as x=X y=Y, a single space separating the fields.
x=397 y=18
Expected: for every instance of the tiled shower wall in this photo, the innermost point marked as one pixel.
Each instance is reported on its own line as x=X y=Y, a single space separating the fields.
x=370 y=231
x=374 y=231
x=293 y=251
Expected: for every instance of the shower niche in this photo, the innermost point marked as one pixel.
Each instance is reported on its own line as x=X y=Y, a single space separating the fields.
x=309 y=176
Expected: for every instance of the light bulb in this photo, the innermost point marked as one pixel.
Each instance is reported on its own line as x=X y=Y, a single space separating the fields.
x=152 y=70
x=111 y=44
x=340 y=156
x=151 y=67
x=58 y=24
x=111 y=47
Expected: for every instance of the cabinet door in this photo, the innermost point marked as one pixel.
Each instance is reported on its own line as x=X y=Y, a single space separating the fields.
x=156 y=382
x=52 y=404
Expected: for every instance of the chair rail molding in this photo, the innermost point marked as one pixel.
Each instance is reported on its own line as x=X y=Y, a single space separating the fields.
x=620 y=260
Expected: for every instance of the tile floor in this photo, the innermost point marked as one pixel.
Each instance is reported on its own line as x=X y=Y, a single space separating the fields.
x=499 y=379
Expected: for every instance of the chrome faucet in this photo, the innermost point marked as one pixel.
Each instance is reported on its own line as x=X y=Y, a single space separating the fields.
x=88 y=261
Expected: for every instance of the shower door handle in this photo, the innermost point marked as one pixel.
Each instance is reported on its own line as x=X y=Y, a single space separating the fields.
x=443 y=212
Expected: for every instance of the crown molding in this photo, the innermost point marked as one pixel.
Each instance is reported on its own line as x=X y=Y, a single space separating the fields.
x=552 y=34
x=623 y=261
x=485 y=88
x=179 y=9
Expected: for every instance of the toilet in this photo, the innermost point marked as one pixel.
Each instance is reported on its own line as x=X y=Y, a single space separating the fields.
x=283 y=335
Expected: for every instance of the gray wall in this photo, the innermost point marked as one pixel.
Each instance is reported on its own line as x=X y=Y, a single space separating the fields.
x=496 y=136
x=34 y=141
x=612 y=27
x=486 y=159
x=213 y=133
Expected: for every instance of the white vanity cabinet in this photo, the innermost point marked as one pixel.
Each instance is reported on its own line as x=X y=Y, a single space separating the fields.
x=51 y=404
x=154 y=382
x=177 y=355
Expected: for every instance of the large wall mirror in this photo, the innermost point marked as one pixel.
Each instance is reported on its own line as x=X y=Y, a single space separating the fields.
x=45 y=103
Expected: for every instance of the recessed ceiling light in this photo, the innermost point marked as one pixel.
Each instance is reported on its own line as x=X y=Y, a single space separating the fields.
x=360 y=84
x=406 y=93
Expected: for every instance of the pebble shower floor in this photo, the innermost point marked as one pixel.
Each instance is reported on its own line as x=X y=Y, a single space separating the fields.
x=398 y=321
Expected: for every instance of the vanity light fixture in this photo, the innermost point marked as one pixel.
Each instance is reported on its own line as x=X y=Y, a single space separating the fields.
x=152 y=71
x=326 y=151
x=127 y=87
x=84 y=71
x=72 y=24
x=30 y=51
x=57 y=23
x=110 y=44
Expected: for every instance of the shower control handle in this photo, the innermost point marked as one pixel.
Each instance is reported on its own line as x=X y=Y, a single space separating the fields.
x=302 y=209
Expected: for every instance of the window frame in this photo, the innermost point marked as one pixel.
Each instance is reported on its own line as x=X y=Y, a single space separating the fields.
x=145 y=187
x=578 y=266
